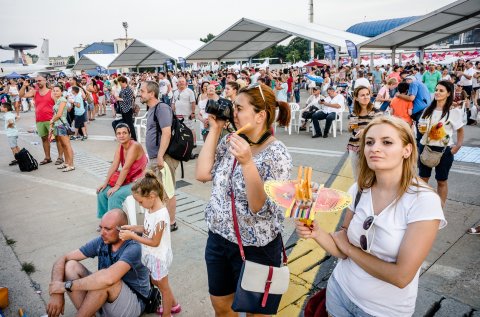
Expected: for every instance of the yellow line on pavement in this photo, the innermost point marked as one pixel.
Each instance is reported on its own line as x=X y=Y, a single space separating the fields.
x=305 y=256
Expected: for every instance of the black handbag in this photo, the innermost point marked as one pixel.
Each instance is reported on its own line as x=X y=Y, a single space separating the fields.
x=260 y=287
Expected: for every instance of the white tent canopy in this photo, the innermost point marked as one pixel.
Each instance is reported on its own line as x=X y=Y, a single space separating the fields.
x=455 y=18
x=153 y=53
x=247 y=37
x=91 y=61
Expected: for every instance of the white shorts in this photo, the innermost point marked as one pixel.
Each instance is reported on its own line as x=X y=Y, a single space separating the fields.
x=101 y=100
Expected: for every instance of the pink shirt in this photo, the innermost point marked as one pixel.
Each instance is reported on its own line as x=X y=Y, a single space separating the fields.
x=43 y=106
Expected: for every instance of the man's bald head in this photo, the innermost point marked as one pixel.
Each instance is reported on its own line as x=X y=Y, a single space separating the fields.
x=118 y=216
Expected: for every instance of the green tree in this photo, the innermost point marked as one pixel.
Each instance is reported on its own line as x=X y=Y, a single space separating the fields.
x=296 y=50
x=293 y=56
x=208 y=38
x=70 y=61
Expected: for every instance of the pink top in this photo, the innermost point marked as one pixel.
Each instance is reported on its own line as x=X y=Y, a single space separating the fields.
x=138 y=167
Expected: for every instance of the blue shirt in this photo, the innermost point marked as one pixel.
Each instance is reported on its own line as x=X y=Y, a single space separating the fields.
x=130 y=252
x=377 y=76
x=79 y=111
x=422 y=96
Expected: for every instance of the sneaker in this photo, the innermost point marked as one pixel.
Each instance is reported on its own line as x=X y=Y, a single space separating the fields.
x=73 y=138
x=84 y=138
x=303 y=128
x=173 y=227
x=14 y=162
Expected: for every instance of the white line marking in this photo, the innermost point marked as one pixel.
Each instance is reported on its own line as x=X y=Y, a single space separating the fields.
x=51 y=182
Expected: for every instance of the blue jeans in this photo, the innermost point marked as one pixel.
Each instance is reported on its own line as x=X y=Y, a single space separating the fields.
x=338 y=304
x=105 y=203
x=320 y=115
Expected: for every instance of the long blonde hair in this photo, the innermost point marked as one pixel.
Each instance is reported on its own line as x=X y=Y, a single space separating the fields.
x=366 y=176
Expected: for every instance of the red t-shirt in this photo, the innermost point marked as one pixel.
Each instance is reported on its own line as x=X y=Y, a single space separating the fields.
x=289 y=82
x=100 y=88
x=43 y=106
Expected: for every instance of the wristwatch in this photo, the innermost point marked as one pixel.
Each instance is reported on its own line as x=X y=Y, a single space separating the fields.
x=68 y=286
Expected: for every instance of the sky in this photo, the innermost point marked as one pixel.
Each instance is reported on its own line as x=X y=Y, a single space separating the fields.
x=68 y=23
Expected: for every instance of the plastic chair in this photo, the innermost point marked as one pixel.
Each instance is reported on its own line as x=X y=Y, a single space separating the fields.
x=294 y=109
x=130 y=207
x=139 y=124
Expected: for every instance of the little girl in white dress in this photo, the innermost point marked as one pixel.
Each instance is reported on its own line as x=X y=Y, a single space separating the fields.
x=156 y=244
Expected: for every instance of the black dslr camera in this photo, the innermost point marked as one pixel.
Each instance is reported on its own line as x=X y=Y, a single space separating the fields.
x=222 y=109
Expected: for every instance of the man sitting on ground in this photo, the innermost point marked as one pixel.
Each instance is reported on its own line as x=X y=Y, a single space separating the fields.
x=117 y=286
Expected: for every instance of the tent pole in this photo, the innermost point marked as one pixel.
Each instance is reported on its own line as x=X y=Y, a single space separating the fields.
x=359 y=58
x=371 y=61
x=422 y=55
x=393 y=56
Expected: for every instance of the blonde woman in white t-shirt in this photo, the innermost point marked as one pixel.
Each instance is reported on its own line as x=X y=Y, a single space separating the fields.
x=388 y=230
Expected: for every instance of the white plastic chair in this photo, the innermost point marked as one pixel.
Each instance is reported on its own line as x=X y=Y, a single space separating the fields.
x=464 y=112
x=294 y=109
x=132 y=208
x=140 y=122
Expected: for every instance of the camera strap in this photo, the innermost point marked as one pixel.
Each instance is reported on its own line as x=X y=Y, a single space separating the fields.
x=262 y=139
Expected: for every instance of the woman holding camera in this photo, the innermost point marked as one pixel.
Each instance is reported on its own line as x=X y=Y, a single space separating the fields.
x=239 y=165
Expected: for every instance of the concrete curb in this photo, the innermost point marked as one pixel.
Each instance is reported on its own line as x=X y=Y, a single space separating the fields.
x=20 y=286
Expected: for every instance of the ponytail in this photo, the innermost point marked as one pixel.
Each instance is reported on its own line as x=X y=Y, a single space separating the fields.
x=148 y=184
x=284 y=113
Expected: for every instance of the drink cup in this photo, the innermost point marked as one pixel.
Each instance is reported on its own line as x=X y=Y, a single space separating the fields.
x=353 y=123
x=422 y=126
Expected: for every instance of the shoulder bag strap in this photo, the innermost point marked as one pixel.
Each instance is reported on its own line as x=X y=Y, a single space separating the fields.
x=235 y=222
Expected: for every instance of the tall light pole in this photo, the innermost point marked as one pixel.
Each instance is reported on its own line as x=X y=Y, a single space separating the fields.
x=310 y=19
x=125 y=26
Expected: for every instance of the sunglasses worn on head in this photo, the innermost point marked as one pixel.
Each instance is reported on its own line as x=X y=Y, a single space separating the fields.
x=367 y=226
x=259 y=86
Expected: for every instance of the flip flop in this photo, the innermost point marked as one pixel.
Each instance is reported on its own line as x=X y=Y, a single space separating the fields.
x=69 y=169
x=474 y=230
x=45 y=161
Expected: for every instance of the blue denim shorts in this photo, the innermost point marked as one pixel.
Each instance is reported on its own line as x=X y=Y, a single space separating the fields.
x=60 y=130
x=338 y=303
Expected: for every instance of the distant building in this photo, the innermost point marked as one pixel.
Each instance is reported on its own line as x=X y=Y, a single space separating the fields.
x=374 y=28
x=58 y=61
x=121 y=44
x=94 y=48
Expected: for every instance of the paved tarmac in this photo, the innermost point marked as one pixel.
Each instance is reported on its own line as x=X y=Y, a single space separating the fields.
x=49 y=213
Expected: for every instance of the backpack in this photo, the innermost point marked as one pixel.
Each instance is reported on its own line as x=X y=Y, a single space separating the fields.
x=26 y=161
x=181 y=142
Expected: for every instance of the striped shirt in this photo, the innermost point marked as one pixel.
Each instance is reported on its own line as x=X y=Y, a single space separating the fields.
x=363 y=121
x=127 y=95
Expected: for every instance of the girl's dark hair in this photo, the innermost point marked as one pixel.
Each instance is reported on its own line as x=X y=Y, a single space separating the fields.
x=448 y=104
x=122 y=125
x=148 y=184
x=59 y=86
x=7 y=105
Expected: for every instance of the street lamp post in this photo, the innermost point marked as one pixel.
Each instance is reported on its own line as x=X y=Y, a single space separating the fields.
x=125 y=26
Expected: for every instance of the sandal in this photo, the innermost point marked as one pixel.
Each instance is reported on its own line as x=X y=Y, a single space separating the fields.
x=59 y=161
x=69 y=169
x=61 y=167
x=45 y=161
x=173 y=227
x=474 y=230
x=175 y=310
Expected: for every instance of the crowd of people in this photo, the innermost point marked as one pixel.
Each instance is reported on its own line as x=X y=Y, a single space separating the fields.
x=396 y=115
